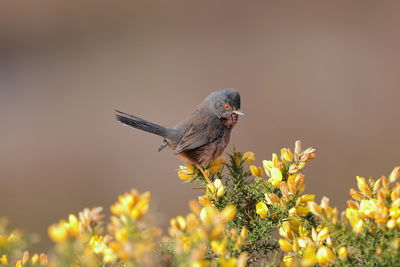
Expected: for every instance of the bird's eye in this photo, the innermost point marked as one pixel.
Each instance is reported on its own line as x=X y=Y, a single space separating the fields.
x=227 y=106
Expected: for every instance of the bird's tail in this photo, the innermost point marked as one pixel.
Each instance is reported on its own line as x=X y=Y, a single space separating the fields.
x=141 y=124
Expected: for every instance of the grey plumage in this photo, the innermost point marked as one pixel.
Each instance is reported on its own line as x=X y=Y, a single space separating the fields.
x=204 y=134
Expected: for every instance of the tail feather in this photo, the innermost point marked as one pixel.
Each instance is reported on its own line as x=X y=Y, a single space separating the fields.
x=141 y=124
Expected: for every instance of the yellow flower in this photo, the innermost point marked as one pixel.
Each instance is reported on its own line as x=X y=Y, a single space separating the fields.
x=368 y=208
x=219 y=248
x=276 y=177
x=262 y=209
x=244 y=233
x=256 y=171
x=230 y=262
x=309 y=256
x=314 y=208
x=286 y=155
x=323 y=234
x=394 y=174
x=391 y=224
x=73 y=225
x=325 y=255
x=355 y=221
x=216 y=165
x=132 y=204
x=248 y=157
x=202 y=263
x=299 y=210
x=394 y=212
x=363 y=186
x=216 y=189
x=285 y=245
x=228 y=213
x=43 y=259
x=19 y=263
x=35 y=258
x=285 y=231
x=186 y=172
x=267 y=165
x=306 y=198
x=342 y=252
x=58 y=232
x=287 y=261
x=99 y=246
x=4 y=259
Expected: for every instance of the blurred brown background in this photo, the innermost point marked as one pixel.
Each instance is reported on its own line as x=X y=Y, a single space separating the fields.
x=325 y=73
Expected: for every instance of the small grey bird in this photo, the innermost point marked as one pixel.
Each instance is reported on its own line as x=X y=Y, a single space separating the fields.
x=201 y=137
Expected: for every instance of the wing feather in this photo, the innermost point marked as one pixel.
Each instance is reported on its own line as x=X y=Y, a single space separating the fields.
x=202 y=130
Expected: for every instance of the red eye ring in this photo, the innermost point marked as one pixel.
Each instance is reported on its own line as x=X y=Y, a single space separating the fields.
x=227 y=106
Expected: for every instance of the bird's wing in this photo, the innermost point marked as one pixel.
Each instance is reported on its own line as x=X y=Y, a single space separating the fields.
x=201 y=131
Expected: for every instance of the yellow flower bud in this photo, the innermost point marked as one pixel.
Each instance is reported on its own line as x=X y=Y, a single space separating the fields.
x=342 y=252
x=244 y=233
x=43 y=259
x=377 y=184
x=394 y=174
x=194 y=207
x=286 y=155
x=256 y=171
x=323 y=234
x=363 y=186
x=181 y=223
x=306 y=198
x=352 y=204
x=35 y=258
x=271 y=198
x=276 y=177
x=249 y=157
x=354 y=194
x=262 y=209
x=325 y=255
x=25 y=257
x=204 y=201
x=228 y=213
x=314 y=208
x=285 y=245
x=73 y=225
x=4 y=259
x=220 y=188
x=216 y=165
x=302 y=211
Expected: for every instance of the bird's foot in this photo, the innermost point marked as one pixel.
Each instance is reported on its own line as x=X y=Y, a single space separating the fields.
x=206 y=174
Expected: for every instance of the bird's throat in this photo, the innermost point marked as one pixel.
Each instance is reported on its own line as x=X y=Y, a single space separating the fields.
x=230 y=120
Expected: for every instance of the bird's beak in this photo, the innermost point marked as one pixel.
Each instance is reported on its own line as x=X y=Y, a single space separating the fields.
x=239 y=112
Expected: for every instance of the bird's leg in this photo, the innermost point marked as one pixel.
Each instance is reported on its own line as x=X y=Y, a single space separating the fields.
x=205 y=174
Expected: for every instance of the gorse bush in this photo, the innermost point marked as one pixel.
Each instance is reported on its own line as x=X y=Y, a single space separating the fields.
x=247 y=215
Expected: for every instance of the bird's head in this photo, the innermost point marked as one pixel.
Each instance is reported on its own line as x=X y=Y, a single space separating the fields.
x=225 y=104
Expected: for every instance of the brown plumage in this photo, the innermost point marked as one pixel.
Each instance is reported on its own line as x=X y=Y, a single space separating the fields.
x=204 y=135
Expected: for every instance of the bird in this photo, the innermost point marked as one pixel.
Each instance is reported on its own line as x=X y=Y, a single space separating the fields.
x=203 y=135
